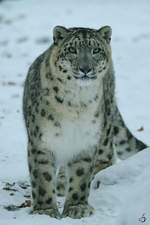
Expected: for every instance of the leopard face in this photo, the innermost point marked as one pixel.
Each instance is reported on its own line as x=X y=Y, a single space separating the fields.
x=82 y=53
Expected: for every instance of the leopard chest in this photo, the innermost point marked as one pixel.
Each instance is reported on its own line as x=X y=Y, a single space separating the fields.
x=76 y=127
x=74 y=132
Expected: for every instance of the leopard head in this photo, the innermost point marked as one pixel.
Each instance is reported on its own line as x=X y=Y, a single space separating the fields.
x=82 y=53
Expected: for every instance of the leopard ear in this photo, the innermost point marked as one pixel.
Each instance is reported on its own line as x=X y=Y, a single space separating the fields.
x=105 y=32
x=59 y=33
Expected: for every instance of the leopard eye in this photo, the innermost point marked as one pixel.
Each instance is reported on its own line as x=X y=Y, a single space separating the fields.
x=72 y=50
x=96 y=50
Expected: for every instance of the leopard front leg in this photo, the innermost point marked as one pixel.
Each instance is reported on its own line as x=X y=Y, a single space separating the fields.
x=61 y=182
x=42 y=173
x=80 y=176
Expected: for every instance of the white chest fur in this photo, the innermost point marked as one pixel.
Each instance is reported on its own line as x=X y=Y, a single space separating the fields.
x=72 y=138
x=79 y=129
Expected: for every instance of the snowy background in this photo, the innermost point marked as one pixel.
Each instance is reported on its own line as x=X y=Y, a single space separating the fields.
x=25 y=32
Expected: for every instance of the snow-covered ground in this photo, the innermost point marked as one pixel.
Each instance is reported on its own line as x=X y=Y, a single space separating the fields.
x=25 y=31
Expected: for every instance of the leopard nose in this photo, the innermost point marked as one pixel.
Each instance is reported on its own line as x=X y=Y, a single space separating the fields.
x=85 y=69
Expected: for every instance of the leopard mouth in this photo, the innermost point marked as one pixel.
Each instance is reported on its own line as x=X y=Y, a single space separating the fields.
x=85 y=78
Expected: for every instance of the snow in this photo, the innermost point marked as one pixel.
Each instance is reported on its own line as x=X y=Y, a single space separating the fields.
x=25 y=32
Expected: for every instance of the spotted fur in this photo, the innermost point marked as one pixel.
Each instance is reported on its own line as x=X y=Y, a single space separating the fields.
x=72 y=119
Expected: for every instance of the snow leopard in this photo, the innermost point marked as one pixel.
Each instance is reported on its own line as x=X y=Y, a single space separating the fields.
x=72 y=119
